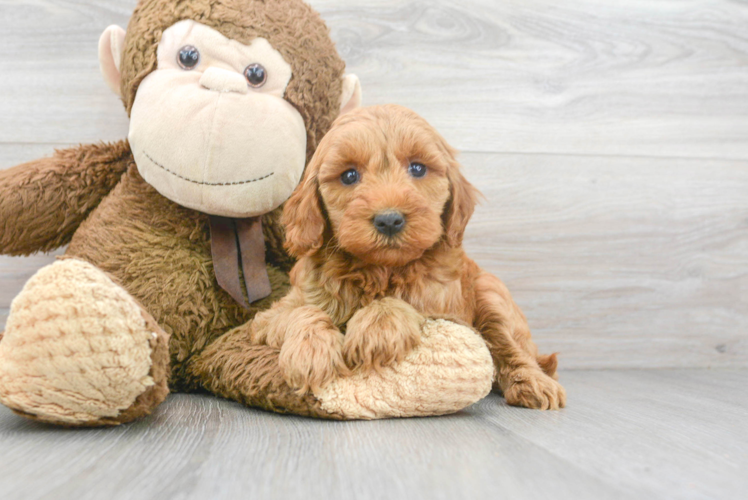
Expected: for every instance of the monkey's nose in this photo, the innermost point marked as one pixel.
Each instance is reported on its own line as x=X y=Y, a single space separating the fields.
x=389 y=223
x=222 y=80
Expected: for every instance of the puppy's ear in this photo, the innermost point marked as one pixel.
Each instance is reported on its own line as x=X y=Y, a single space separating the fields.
x=302 y=215
x=461 y=204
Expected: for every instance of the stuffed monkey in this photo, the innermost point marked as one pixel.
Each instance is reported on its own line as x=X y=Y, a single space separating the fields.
x=174 y=236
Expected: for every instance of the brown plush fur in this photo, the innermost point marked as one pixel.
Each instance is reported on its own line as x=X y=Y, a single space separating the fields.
x=44 y=201
x=94 y=198
x=236 y=368
x=160 y=253
x=291 y=26
x=380 y=288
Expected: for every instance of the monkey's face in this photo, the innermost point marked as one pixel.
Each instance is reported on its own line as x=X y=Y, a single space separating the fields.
x=210 y=128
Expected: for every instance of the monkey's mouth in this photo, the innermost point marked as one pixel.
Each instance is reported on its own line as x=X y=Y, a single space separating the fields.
x=194 y=181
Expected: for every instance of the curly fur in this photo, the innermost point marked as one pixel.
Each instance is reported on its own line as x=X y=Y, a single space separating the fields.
x=379 y=288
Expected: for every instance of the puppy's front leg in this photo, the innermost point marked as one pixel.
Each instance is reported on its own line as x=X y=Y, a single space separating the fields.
x=381 y=333
x=310 y=344
x=502 y=324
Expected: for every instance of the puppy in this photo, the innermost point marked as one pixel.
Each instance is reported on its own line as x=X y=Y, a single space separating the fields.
x=377 y=225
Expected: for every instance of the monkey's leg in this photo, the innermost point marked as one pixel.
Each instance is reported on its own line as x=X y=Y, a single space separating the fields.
x=78 y=350
x=236 y=368
x=520 y=376
x=449 y=370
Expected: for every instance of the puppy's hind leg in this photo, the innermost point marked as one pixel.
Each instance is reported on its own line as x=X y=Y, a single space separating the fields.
x=525 y=378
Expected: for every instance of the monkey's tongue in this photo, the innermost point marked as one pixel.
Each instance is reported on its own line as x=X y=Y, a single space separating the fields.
x=235 y=244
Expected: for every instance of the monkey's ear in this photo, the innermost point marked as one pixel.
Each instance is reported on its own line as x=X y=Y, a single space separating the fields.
x=350 y=98
x=111 y=46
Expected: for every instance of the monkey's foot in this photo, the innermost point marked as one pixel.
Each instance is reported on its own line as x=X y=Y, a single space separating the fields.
x=78 y=350
x=449 y=370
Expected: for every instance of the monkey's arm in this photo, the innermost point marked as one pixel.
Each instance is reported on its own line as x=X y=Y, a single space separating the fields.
x=43 y=202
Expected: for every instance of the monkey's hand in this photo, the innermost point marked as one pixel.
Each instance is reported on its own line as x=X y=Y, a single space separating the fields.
x=381 y=334
x=43 y=202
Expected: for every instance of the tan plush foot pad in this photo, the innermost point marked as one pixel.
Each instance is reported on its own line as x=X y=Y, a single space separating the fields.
x=450 y=370
x=79 y=350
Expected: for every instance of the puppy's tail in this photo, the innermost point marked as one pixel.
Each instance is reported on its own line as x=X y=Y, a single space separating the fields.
x=548 y=363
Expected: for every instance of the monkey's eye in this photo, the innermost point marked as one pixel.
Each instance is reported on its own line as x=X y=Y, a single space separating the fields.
x=188 y=57
x=256 y=75
x=417 y=169
x=350 y=177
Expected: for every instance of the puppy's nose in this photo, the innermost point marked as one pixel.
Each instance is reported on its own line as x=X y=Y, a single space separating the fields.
x=389 y=223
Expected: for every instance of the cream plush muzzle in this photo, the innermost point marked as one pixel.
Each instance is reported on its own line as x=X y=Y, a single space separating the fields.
x=206 y=139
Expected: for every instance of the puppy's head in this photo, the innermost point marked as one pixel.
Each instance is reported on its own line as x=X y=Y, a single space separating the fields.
x=385 y=185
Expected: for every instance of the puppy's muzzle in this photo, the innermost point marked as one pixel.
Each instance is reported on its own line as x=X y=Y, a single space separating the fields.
x=389 y=223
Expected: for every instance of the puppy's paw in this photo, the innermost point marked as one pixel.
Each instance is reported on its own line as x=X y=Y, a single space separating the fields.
x=381 y=333
x=259 y=329
x=534 y=389
x=311 y=355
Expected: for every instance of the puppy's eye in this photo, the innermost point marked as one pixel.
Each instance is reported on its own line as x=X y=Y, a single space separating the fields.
x=188 y=57
x=350 y=177
x=417 y=169
x=256 y=75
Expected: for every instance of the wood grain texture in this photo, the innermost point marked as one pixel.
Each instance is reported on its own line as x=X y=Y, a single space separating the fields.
x=666 y=78
x=680 y=433
x=629 y=435
x=581 y=77
x=51 y=87
x=619 y=262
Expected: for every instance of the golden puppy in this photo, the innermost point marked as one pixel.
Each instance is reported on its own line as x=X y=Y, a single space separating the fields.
x=377 y=225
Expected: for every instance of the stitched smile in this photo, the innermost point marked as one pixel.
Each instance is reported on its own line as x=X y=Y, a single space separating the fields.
x=205 y=183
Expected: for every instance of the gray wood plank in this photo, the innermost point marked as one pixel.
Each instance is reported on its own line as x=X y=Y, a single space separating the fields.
x=681 y=433
x=579 y=76
x=16 y=271
x=619 y=262
x=583 y=77
x=51 y=85
x=648 y=434
x=12 y=154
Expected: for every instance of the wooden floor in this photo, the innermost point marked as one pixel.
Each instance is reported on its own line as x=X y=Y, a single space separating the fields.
x=611 y=142
x=654 y=434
